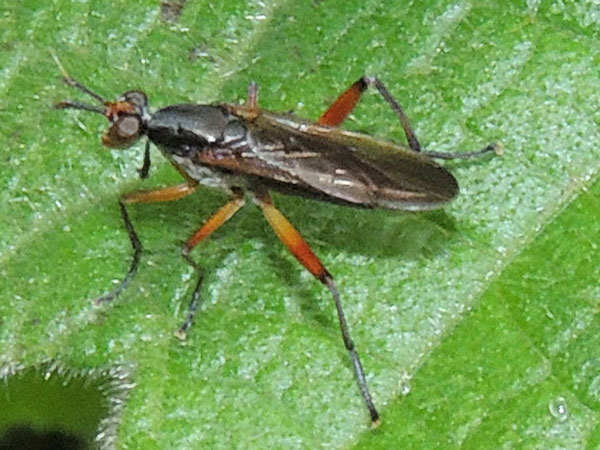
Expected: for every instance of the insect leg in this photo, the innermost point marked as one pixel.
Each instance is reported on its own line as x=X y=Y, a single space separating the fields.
x=292 y=239
x=158 y=195
x=143 y=171
x=252 y=101
x=410 y=134
x=225 y=213
x=495 y=147
x=413 y=142
x=345 y=103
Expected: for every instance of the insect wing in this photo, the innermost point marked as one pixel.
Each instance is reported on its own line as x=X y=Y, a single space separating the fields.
x=397 y=177
x=335 y=165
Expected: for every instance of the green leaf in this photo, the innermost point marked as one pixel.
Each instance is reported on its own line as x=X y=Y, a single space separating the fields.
x=484 y=311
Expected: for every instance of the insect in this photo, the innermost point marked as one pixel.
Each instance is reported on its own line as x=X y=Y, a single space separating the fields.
x=243 y=149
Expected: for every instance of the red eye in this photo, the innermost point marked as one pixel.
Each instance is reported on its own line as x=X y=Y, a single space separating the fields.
x=123 y=133
x=127 y=126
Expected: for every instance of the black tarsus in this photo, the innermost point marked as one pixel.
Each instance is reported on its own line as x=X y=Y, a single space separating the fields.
x=413 y=142
x=136 y=244
x=494 y=147
x=181 y=333
x=349 y=344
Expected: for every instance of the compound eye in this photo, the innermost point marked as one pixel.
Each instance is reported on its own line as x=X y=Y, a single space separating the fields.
x=124 y=132
x=136 y=98
x=127 y=127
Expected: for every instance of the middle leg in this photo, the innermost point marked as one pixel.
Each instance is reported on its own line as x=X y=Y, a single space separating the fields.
x=225 y=213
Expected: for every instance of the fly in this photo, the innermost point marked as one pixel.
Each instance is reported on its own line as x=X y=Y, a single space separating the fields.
x=243 y=149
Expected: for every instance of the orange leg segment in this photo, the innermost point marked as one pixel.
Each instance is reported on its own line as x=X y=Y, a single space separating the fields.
x=292 y=238
x=300 y=249
x=225 y=213
x=345 y=103
x=160 y=195
x=343 y=106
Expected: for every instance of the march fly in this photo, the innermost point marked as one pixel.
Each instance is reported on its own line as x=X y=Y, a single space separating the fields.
x=246 y=151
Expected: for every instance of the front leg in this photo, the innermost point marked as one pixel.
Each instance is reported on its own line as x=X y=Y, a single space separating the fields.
x=159 y=195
